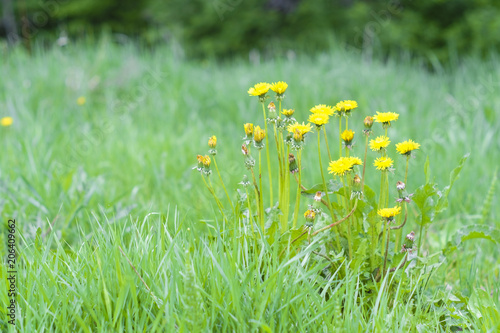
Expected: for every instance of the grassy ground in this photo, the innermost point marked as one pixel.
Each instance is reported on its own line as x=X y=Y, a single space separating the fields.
x=115 y=174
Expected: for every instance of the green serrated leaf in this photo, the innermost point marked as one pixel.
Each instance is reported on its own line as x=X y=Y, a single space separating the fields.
x=425 y=203
x=475 y=231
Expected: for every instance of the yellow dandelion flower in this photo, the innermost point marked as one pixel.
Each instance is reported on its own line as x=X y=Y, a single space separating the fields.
x=279 y=87
x=406 y=147
x=343 y=165
x=212 y=141
x=310 y=215
x=318 y=119
x=259 y=89
x=6 y=121
x=379 y=143
x=200 y=158
x=288 y=112
x=301 y=128
x=346 y=106
x=385 y=117
x=81 y=100
x=383 y=163
x=389 y=213
x=322 y=108
x=259 y=134
x=347 y=135
x=248 y=129
x=206 y=161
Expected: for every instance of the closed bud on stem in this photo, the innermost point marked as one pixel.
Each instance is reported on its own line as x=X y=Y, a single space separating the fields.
x=310 y=216
x=293 y=163
x=400 y=186
x=368 y=122
x=212 y=143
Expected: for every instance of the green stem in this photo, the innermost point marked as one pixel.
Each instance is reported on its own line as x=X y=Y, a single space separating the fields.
x=399 y=232
x=347 y=206
x=297 y=200
x=340 y=137
x=223 y=186
x=261 y=200
x=210 y=189
x=324 y=186
x=250 y=217
x=268 y=158
x=364 y=166
x=326 y=141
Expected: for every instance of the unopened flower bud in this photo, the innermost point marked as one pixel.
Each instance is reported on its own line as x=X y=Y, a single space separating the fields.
x=248 y=129
x=212 y=141
x=244 y=149
x=356 y=180
x=400 y=185
x=293 y=163
x=258 y=135
x=206 y=165
x=199 y=158
x=368 y=122
x=317 y=196
x=245 y=182
x=411 y=236
x=271 y=107
x=288 y=112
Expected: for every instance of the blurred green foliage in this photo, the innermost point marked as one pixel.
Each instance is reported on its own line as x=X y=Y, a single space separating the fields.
x=441 y=28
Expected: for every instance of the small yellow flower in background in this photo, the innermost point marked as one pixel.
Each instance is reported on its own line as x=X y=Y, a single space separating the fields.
x=318 y=119
x=406 y=147
x=379 y=143
x=81 y=100
x=322 y=108
x=383 y=163
x=259 y=89
x=389 y=213
x=288 y=112
x=343 y=165
x=347 y=136
x=346 y=106
x=258 y=134
x=279 y=87
x=248 y=129
x=6 y=121
x=212 y=141
x=385 y=118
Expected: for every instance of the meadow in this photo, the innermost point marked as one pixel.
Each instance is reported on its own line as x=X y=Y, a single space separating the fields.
x=117 y=232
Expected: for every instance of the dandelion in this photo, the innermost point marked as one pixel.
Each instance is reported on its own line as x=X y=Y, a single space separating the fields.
x=343 y=165
x=385 y=118
x=400 y=185
x=368 y=122
x=200 y=160
x=322 y=108
x=206 y=164
x=258 y=136
x=299 y=131
x=279 y=88
x=345 y=107
x=406 y=147
x=383 y=163
x=389 y=213
x=259 y=89
x=81 y=100
x=6 y=121
x=212 y=143
x=347 y=136
x=288 y=112
x=381 y=142
x=318 y=119
x=248 y=130
x=310 y=216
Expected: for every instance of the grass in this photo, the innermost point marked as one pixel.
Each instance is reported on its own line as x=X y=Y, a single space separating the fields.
x=88 y=182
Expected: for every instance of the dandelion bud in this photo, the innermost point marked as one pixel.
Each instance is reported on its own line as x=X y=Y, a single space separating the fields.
x=293 y=163
x=408 y=242
x=206 y=165
x=310 y=216
x=212 y=141
x=356 y=180
x=248 y=129
x=200 y=162
x=368 y=122
x=288 y=112
x=317 y=196
x=244 y=149
x=271 y=107
x=411 y=236
x=400 y=185
x=258 y=136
